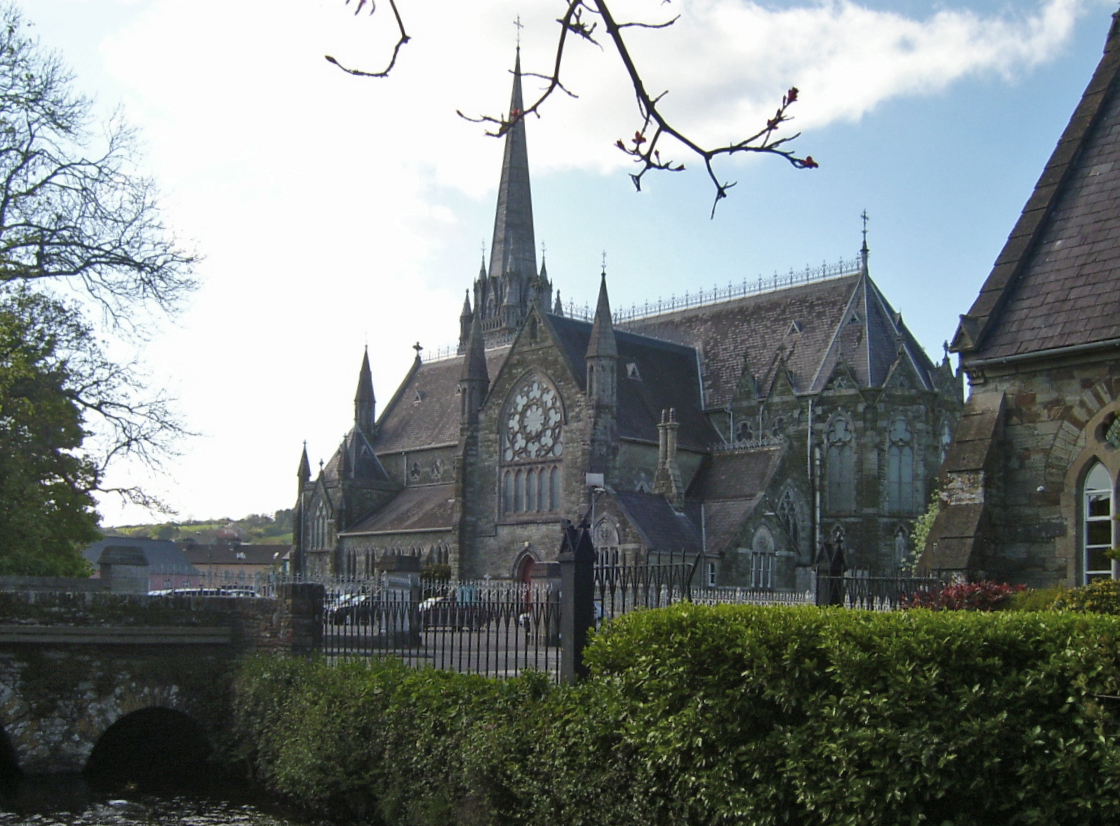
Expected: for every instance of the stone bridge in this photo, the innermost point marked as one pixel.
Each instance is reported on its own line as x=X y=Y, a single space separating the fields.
x=122 y=687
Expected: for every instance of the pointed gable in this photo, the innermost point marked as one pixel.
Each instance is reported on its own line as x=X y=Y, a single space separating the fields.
x=1055 y=283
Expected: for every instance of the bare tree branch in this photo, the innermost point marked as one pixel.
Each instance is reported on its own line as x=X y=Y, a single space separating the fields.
x=402 y=38
x=655 y=125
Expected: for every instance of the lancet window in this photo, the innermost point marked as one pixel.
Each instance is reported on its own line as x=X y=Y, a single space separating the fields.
x=900 y=467
x=319 y=528
x=840 y=464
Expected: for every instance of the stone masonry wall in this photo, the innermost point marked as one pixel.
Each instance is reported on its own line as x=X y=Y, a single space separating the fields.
x=1055 y=411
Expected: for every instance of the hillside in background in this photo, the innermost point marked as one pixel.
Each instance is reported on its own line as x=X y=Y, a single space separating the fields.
x=255 y=529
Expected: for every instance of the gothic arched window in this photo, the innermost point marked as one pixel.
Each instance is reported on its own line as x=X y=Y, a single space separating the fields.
x=1097 y=509
x=900 y=467
x=840 y=464
x=319 y=528
x=532 y=445
x=787 y=513
x=762 y=559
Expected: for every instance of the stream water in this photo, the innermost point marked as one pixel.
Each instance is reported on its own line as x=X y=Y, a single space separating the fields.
x=65 y=800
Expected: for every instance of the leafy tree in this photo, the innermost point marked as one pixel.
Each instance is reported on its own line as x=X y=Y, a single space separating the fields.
x=81 y=240
x=46 y=508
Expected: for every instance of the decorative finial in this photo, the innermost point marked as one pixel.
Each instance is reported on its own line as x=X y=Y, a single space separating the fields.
x=417 y=348
x=517 y=23
x=604 y=262
x=544 y=249
x=863 y=250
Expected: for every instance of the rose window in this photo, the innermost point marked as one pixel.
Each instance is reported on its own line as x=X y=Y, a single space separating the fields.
x=532 y=443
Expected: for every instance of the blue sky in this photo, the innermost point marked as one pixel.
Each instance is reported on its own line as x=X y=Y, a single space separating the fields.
x=335 y=212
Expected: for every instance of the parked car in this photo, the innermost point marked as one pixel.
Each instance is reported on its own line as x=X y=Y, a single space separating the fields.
x=447 y=612
x=225 y=591
x=351 y=609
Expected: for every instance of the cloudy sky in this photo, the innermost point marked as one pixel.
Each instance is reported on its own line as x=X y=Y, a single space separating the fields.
x=335 y=212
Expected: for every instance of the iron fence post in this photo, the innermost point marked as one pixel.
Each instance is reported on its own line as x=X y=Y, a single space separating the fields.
x=577 y=600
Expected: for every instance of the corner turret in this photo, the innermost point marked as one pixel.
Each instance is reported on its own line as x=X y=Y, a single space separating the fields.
x=602 y=352
x=304 y=472
x=474 y=381
x=365 y=404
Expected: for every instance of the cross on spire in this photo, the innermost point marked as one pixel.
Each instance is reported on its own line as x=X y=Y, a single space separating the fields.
x=863 y=251
x=604 y=261
x=517 y=23
x=417 y=348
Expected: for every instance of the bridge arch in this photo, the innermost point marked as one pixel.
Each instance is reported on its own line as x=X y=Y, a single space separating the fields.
x=9 y=763
x=149 y=748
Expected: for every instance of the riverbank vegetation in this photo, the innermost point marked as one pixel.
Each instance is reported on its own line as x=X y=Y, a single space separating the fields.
x=728 y=714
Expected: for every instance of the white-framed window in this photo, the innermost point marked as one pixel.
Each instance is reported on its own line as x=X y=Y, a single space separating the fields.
x=711 y=575
x=1097 y=508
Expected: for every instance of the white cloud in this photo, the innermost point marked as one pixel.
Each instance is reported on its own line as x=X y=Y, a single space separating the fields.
x=321 y=200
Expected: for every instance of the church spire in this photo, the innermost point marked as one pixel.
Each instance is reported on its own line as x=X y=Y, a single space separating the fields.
x=513 y=250
x=365 y=404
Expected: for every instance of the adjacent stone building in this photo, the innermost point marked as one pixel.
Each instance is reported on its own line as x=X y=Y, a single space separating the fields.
x=742 y=428
x=1029 y=486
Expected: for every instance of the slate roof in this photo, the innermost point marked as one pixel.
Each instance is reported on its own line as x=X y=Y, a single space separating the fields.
x=160 y=553
x=809 y=328
x=731 y=485
x=666 y=377
x=425 y=409
x=662 y=528
x=419 y=508
x=1056 y=284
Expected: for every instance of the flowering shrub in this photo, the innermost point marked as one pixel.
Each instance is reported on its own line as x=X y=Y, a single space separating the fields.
x=964 y=596
x=1100 y=597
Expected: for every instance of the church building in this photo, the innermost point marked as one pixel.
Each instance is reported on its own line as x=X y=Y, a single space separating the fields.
x=741 y=430
x=1029 y=487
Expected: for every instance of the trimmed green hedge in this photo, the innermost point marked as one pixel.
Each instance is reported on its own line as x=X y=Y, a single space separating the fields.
x=731 y=714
